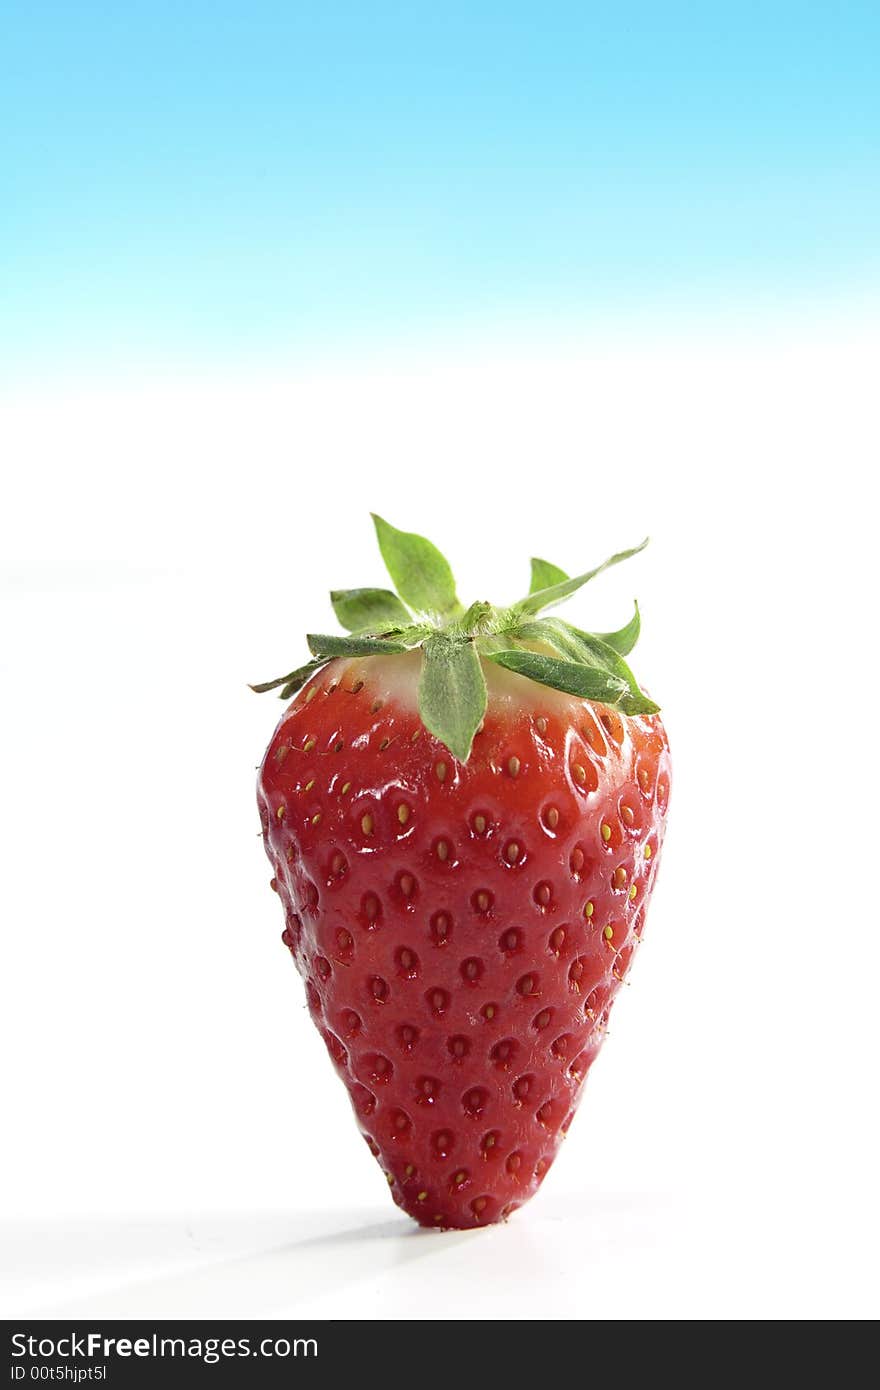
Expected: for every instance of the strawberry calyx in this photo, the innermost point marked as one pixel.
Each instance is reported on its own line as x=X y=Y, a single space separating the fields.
x=424 y=612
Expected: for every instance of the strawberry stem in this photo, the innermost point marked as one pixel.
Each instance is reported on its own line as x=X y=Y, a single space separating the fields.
x=452 y=690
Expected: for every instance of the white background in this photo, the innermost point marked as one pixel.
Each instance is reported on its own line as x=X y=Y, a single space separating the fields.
x=176 y=1142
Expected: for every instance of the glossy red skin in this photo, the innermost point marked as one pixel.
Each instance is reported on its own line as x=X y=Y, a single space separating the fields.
x=465 y=1058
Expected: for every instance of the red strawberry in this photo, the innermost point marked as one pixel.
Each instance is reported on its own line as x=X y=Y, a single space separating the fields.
x=464 y=840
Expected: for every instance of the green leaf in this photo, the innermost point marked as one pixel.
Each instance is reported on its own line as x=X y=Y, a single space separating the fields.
x=452 y=692
x=545 y=575
x=584 y=647
x=553 y=634
x=575 y=678
x=324 y=644
x=555 y=593
x=298 y=681
x=292 y=681
x=625 y=639
x=591 y=648
x=421 y=575
x=368 y=608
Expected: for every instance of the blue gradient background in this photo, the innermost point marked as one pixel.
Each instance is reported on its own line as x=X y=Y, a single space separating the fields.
x=219 y=181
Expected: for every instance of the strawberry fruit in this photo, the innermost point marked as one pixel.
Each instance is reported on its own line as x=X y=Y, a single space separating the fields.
x=464 y=811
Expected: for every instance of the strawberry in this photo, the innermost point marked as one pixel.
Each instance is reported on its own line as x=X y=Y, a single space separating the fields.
x=464 y=811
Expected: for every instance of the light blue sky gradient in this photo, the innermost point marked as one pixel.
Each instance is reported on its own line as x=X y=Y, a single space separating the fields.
x=204 y=179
